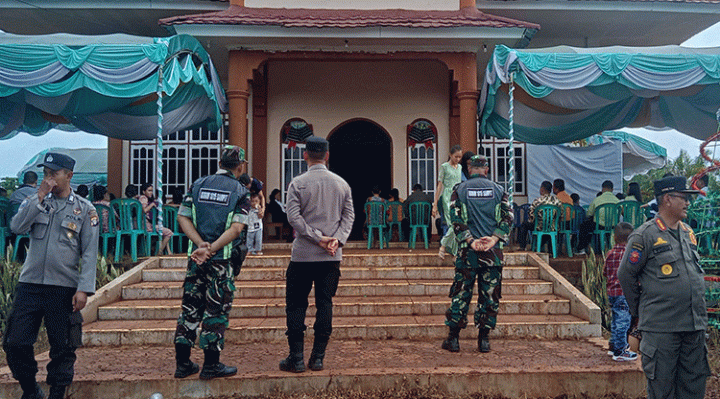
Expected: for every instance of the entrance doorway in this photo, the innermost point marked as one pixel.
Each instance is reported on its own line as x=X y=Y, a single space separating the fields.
x=361 y=153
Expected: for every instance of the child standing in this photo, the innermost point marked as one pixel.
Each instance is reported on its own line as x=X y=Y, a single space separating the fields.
x=620 y=310
x=255 y=226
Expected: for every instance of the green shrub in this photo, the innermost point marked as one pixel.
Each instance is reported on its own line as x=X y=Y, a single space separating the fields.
x=594 y=285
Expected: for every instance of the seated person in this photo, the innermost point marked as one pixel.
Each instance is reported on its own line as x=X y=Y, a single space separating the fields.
x=588 y=226
x=546 y=197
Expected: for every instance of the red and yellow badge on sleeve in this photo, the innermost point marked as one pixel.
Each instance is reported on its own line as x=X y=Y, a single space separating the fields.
x=635 y=253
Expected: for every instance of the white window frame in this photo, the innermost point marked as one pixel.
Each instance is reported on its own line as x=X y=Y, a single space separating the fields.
x=491 y=147
x=297 y=165
x=414 y=164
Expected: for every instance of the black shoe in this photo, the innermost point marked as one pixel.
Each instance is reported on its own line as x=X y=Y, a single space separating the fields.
x=483 y=340
x=57 y=392
x=451 y=344
x=186 y=369
x=293 y=364
x=37 y=394
x=217 y=370
x=315 y=363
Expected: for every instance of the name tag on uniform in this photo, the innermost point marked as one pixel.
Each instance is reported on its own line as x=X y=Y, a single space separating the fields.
x=480 y=193
x=210 y=196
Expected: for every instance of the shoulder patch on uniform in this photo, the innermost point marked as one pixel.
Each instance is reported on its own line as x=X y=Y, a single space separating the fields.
x=635 y=255
x=480 y=193
x=638 y=245
x=659 y=241
x=211 y=196
x=660 y=224
x=94 y=219
x=693 y=239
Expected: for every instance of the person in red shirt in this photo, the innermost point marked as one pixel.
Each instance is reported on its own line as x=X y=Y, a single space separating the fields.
x=620 y=310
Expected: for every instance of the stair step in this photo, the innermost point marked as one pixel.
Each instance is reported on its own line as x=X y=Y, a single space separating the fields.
x=352 y=258
x=342 y=306
x=276 y=289
x=143 y=332
x=348 y=273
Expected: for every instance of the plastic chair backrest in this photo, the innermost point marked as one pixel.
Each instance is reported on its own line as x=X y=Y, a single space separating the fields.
x=107 y=218
x=130 y=212
x=631 y=212
x=420 y=213
x=607 y=216
x=578 y=219
x=170 y=218
x=568 y=214
x=547 y=218
x=375 y=213
x=4 y=211
x=395 y=213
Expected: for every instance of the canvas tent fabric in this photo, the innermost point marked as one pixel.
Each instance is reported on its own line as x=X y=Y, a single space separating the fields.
x=90 y=165
x=564 y=93
x=107 y=85
x=612 y=155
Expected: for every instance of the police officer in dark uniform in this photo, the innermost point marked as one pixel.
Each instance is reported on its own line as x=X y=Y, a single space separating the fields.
x=213 y=215
x=56 y=278
x=664 y=287
x=481 y=217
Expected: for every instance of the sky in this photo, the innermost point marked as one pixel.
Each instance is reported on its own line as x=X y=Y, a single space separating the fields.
x=18 y=150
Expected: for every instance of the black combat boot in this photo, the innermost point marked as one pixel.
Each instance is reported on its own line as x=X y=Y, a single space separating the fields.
x=452 y=343
x=184 y=366
x=483 y=340
x=212 y=368
x=318 y=354
x=294 y=363
x=31 y=390
x=57 y=392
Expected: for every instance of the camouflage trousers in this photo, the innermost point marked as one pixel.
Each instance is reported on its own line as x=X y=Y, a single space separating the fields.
x=486 y=267
x=207 y=299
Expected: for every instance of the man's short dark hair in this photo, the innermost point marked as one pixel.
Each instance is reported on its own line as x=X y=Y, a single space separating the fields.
x=417 y=186
x=546 y=186
x=622 y=232
x=99 y=192
x=30 y=177
x=559 y=184
x=608 y=185
x=575 y=197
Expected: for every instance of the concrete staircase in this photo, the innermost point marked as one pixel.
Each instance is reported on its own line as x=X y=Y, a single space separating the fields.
x=389 y=294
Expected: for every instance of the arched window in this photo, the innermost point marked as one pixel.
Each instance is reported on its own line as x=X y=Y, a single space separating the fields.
x=294 y=134
x=422 y=157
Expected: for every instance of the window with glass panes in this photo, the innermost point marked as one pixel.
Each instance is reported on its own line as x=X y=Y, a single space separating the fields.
x=187 y=156
x=292 y=164
x=422 y=168
x=498 y=153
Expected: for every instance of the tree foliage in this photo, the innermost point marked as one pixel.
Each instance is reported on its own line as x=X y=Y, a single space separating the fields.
x=683 y=165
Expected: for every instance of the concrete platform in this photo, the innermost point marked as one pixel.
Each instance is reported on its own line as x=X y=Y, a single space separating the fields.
x=514 y=369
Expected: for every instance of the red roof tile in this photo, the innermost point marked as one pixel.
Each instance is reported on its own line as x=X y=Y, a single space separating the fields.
x=322 y=18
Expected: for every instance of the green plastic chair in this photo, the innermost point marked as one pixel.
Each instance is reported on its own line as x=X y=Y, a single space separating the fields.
x=547 y=219
x=419 y=213
x=107 y=218
x=170 y=221
x=18 y=237
x=567 y=227
x=606 y=217
x=132 y=226
x=395 y=215
x=631 y=213
x=4 y=229
x=375 y=216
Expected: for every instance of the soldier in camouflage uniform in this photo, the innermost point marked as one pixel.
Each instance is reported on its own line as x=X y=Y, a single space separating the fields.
x=213 y=215
x=481 y=217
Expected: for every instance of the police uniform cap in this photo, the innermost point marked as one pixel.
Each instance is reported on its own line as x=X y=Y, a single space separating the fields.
x=232 y=154
x=316 y=144
x=478 y=161
x=57 y=161
x=671 y=184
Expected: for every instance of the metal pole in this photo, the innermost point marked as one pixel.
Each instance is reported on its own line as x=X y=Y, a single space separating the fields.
x=511 y=150
x=159 y=188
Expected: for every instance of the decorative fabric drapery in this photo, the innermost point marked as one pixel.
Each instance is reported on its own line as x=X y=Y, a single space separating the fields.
x=565 y=94
x=106 y=85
